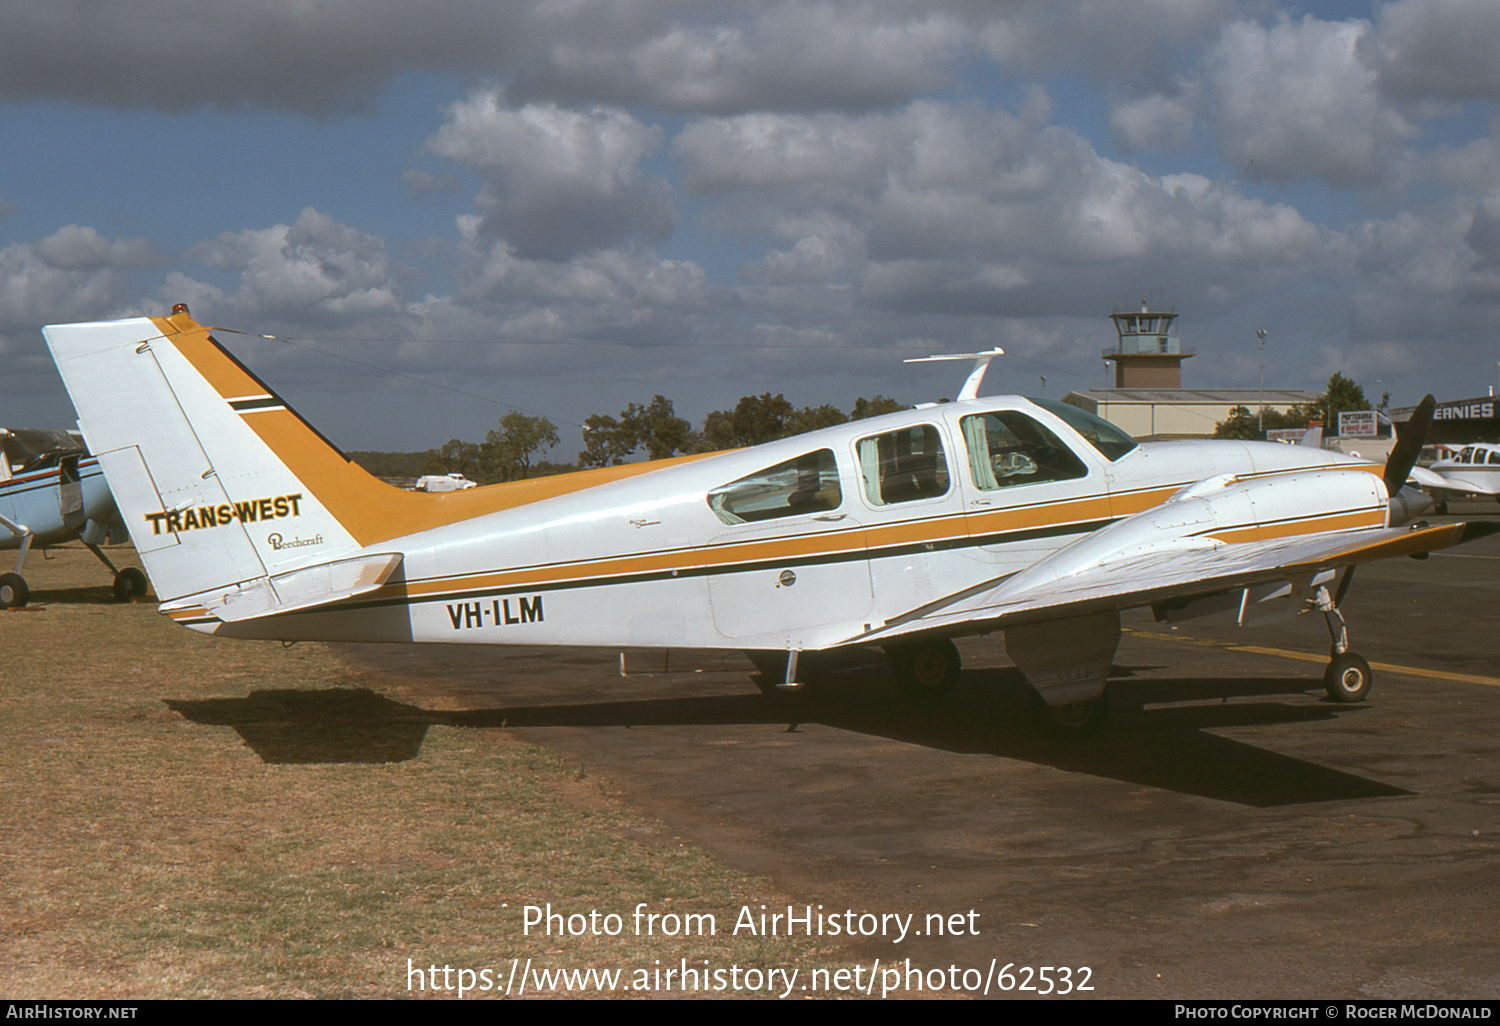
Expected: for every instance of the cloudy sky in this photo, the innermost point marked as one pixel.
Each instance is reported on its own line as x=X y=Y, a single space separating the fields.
x=448 y=209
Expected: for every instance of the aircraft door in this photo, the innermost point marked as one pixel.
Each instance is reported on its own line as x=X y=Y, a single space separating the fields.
x=793 y=559
x=914 y=513
x=1027 y=492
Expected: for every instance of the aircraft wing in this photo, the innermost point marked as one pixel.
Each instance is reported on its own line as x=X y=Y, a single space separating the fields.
x=1179 y=570
x=1421 y=477
x=1469 y=484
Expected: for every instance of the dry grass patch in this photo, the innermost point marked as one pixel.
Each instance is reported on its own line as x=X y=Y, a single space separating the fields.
x=185 y=816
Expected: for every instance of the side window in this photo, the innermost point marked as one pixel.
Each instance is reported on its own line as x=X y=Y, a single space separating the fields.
x=807 y=484
x=1009 y=448
x=902 y=466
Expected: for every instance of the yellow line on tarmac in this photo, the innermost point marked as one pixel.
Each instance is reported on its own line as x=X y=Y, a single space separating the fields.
x=1307 y=657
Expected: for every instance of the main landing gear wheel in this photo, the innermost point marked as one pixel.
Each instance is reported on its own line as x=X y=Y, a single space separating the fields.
x=1348 y=678
x=1071 y=722
x=13 y=591
x=926 y=671
x=129 y=583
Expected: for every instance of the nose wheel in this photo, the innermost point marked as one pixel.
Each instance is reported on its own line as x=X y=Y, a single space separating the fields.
x=1348 y=677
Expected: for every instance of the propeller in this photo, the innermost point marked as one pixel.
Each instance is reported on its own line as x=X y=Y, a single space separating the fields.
x=1343 y=588
x=1409 y=440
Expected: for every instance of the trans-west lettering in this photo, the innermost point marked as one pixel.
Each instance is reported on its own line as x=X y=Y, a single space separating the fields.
x=496 y=612
x=271 y=508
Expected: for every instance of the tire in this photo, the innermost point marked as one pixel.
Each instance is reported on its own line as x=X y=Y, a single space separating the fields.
x=130 y=583
x=927 y=671
x=13 y=591
x=1075 y=721
x=1348 y=678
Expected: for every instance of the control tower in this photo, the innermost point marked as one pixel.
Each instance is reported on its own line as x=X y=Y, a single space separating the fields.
x=1148 y=354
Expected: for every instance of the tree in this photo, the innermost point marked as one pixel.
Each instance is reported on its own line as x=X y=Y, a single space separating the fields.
x=754 y=419
x=457 y=457
x=865 y=408
x=398 y=466
x=509 y=450
x=1245 y=424
x=655 y=426
x=607 y=443
x=1343 y=394
x=1241 y=425
x=766 y=417
x=810 y=418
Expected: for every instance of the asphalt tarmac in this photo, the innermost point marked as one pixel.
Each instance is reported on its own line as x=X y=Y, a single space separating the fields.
x=1233 y=834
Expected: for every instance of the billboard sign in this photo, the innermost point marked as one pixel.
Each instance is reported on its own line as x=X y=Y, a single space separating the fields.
x=1358 y=424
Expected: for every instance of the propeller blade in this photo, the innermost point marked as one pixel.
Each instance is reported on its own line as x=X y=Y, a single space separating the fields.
x=1343 y=588
x=1409 y=439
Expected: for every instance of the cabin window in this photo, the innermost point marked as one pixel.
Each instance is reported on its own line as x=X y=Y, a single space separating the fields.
x=903 y=466
x=1111 y=442
x=1495 y=455
x=807 y=484
x=1008 y=448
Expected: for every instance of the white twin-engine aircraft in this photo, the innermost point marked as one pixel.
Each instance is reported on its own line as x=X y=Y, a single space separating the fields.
x=903 y=531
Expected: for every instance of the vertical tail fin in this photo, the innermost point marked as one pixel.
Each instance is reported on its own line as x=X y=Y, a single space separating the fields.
x=191 y=443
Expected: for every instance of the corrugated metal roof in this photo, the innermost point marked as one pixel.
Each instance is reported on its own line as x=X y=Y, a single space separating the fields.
x=1206 y=396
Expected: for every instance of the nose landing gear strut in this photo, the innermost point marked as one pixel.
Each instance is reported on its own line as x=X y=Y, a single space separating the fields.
x=1348 y=677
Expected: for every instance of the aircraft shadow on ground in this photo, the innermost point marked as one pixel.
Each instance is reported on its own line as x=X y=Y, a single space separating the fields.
x=1166 y=747
x=93 y=595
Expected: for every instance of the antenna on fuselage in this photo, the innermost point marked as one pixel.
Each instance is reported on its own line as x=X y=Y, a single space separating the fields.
x=981 y=364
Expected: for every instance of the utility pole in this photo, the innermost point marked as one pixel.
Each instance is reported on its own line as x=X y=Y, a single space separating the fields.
x=1261 y=424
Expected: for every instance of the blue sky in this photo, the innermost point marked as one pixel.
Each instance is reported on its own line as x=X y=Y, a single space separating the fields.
x=566 y=206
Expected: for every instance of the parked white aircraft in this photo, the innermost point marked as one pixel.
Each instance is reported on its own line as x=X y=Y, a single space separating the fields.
x=51 y=492
x=1473 y=470
x=904 y=531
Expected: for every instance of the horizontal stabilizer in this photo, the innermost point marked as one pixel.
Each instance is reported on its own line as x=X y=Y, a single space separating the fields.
x=295 y=590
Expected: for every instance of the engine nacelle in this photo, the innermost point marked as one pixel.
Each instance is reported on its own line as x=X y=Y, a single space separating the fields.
x=1227 y=510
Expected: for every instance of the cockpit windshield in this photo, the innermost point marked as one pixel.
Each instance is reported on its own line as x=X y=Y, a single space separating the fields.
x=1098 y=432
